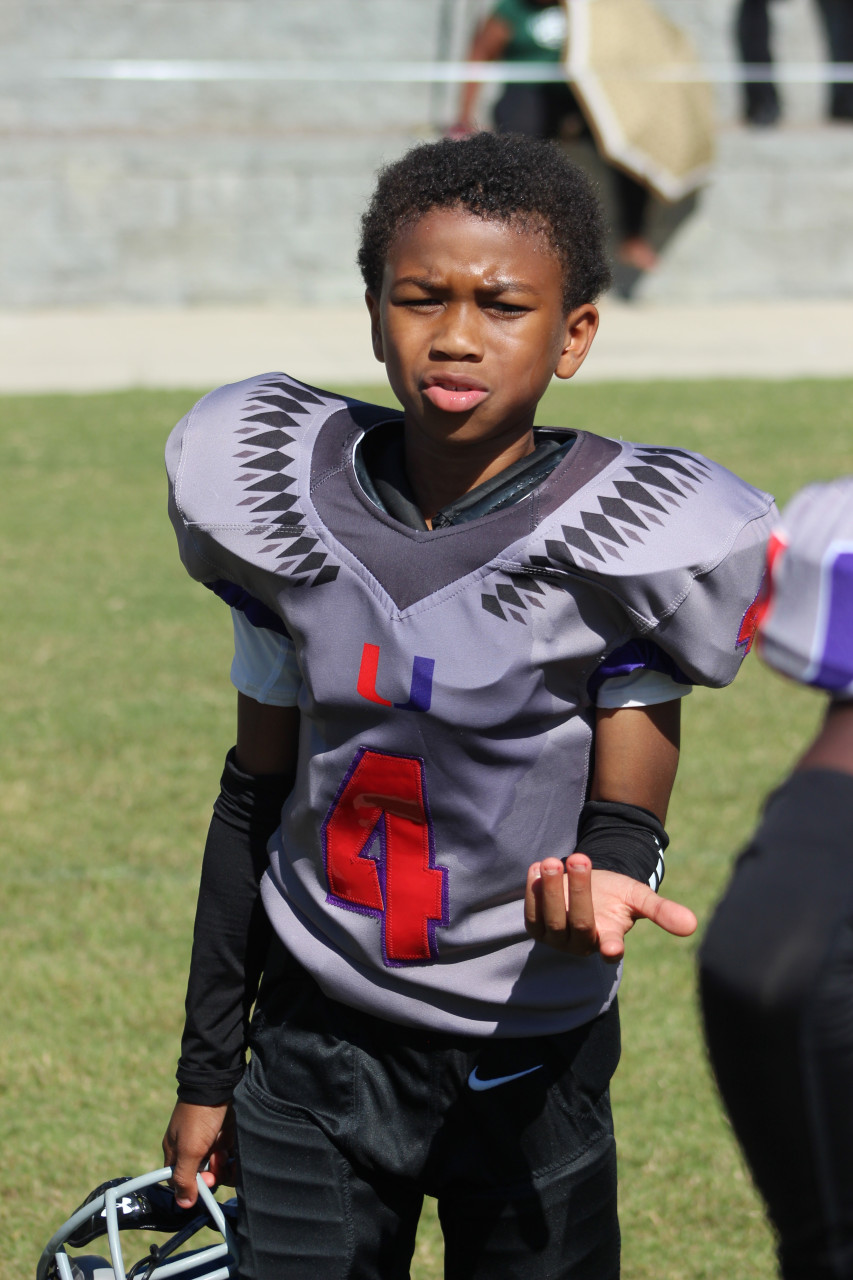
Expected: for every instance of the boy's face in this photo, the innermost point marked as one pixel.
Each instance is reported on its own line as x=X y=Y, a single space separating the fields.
x=471 y=327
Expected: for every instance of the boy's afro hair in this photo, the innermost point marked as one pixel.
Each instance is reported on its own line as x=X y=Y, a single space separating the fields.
x=509 y=177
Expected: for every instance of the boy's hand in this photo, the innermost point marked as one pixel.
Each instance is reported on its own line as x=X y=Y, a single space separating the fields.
x=196 y=1135
x=461 y=129
x=578 y=910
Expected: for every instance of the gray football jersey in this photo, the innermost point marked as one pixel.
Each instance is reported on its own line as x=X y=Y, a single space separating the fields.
x=446 y=712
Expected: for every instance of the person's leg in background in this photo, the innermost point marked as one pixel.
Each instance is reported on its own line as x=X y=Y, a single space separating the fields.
x=761 y=99
x=632 y=201
x=838 y=20
x=523 y=108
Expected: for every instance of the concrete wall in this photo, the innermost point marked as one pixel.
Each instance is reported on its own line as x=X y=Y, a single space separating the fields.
x=174 y=193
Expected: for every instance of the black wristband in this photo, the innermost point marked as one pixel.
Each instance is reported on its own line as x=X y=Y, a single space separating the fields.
x=231 y=934
x=623 y=838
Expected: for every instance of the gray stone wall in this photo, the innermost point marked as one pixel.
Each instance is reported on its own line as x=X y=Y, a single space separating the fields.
x=115 y=192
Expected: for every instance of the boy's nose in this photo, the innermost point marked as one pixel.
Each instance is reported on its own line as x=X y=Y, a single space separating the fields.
x=457 y=335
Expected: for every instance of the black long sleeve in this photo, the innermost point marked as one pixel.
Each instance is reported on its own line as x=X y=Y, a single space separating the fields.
x=231 y=934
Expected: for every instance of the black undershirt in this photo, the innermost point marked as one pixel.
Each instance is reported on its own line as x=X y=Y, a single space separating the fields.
x=381 y=470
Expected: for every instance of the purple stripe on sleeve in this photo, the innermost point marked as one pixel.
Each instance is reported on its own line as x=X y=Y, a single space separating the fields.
x=636 y=655
x=834 y=661
x=257 y=613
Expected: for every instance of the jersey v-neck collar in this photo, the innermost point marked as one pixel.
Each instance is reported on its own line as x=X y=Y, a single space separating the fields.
x=410 y=565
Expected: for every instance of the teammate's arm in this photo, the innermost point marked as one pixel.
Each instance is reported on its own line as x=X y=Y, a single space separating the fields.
x=488 y=45
x=264 y=758
x=833 y=746
x=578 y=909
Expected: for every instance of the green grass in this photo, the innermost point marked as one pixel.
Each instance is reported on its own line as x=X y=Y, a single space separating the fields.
x=117 y=712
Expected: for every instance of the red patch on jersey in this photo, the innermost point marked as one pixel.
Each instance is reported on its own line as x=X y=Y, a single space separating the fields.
x=756 y=612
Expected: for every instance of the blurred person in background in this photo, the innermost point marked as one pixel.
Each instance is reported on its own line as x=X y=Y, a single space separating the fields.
x=761 y=104
x=536 y=31
x=776 y=964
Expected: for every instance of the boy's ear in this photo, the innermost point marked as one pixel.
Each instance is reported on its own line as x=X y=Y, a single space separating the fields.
x=375 y=325
x=581 y=328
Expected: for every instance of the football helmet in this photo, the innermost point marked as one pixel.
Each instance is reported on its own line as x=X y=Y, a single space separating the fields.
x=143 y=1204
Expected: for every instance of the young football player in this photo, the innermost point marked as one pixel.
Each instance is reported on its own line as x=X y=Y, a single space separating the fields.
x=461 y=644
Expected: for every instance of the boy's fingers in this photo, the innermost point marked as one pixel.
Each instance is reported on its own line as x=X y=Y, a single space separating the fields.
x=665 y=913
x=223 y=1169
x=184 y=1182
x=183 y=1174
x=553 y=896
x=611 y=944
x=675 y=918
x=533 y=903
x=558 y=906
x=583 y=931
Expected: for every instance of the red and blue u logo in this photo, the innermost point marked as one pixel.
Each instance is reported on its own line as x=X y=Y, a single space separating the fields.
x=420 y=689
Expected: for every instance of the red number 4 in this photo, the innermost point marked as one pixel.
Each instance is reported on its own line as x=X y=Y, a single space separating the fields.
x=382 y=808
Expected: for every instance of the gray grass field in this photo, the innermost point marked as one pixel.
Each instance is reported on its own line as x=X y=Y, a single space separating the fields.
x=117 y=714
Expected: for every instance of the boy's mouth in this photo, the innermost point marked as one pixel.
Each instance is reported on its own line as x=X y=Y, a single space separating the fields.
x=454 y=394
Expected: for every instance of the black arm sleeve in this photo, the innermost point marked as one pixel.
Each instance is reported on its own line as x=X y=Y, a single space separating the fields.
x=231 y=934
x=623 y=838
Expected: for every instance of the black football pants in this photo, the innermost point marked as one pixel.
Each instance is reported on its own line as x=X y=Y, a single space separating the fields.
x=345 y=1121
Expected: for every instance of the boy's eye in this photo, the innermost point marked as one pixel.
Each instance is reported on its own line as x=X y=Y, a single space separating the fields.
x=508 y=308
x=417 y=303
x=505 y=309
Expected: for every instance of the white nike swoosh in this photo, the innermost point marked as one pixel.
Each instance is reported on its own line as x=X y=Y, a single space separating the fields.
x=478 y=1085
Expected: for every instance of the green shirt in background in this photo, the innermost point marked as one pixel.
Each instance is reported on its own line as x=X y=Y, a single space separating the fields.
x=538 y=35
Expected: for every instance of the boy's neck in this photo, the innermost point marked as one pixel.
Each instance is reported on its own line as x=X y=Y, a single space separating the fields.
x=441 y=472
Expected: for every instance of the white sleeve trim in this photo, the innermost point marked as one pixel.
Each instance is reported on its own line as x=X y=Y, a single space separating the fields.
x=265 y=666
x=640 y=688
x=657 y=875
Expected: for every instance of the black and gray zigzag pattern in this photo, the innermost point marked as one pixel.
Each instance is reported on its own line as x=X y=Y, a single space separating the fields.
x=513 y=600
x=273 y=416
x=643 y=495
